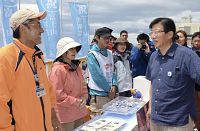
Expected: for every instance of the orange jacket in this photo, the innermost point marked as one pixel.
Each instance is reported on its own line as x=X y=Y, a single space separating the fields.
x=19 y=86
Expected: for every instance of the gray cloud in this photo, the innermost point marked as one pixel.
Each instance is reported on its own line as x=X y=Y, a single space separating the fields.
x=131 y=15
x=135 y=16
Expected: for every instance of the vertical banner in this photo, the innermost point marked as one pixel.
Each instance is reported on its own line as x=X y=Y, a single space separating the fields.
x=51 y=25
x=79 y=14
x=8 y=7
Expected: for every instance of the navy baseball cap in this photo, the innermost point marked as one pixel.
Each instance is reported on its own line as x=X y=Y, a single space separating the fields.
x=104 y=32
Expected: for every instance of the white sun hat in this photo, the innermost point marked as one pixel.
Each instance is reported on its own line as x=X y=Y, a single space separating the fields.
x=66 y=43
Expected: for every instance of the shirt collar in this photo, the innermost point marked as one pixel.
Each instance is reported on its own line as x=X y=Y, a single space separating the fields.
x=170 y=51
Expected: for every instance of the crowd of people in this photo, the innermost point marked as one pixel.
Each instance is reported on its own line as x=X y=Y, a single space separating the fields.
x=31 y=99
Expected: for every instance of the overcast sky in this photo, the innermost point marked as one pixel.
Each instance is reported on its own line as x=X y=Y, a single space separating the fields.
x=131 y=15
x=135 y=15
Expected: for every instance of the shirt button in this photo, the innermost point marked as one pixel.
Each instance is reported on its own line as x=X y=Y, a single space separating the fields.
x=159 y=79
x=156 y=101
x=163 y=58
x=157 y=90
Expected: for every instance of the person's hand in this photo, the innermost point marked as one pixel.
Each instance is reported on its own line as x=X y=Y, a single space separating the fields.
x=147 y=49
x=78 y=102
x=112 y=92
x=83 y=102
x=139 y=45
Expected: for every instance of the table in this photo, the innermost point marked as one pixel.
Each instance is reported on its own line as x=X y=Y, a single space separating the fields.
x=128 y=120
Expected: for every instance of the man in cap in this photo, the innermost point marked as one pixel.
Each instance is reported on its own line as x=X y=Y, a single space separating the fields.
x=102 y=85
x=26 y=96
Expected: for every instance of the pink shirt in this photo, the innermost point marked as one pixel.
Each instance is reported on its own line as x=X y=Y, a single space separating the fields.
x=69 y=87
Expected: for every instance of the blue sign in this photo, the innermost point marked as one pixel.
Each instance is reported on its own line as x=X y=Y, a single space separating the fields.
x=8 y=7
x=51 y=25
x=79 y=14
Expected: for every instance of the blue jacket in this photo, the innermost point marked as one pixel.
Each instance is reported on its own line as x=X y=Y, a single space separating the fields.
x=97 y=74
x=139 y=61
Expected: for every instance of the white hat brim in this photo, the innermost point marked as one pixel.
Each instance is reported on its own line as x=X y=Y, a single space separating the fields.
x=66 y=48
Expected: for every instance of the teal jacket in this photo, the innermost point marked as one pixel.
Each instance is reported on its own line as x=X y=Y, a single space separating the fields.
x=97 y=74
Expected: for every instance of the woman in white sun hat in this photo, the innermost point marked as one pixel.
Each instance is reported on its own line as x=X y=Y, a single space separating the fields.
x=71 y=93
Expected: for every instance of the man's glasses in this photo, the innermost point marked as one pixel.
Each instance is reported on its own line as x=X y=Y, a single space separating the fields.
x=27 y=22
x=156 y=33
x=106 y=37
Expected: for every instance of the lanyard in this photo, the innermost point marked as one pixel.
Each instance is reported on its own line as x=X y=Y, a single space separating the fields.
x=34 y=68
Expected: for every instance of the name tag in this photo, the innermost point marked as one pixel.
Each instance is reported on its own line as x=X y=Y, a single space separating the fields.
x=40 y=91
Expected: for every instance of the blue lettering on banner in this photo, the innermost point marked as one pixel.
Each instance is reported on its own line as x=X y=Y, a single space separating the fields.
x=8 y=7
x=79 y=14
x=51 y=25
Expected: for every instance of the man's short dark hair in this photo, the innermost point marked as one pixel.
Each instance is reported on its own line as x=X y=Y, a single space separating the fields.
x=16 y=33
x=123 y=31
x=168 y=25
x=143 y=36
x=196 y=34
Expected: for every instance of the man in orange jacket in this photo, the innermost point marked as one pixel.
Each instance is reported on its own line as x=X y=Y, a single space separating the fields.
x=26 y=96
